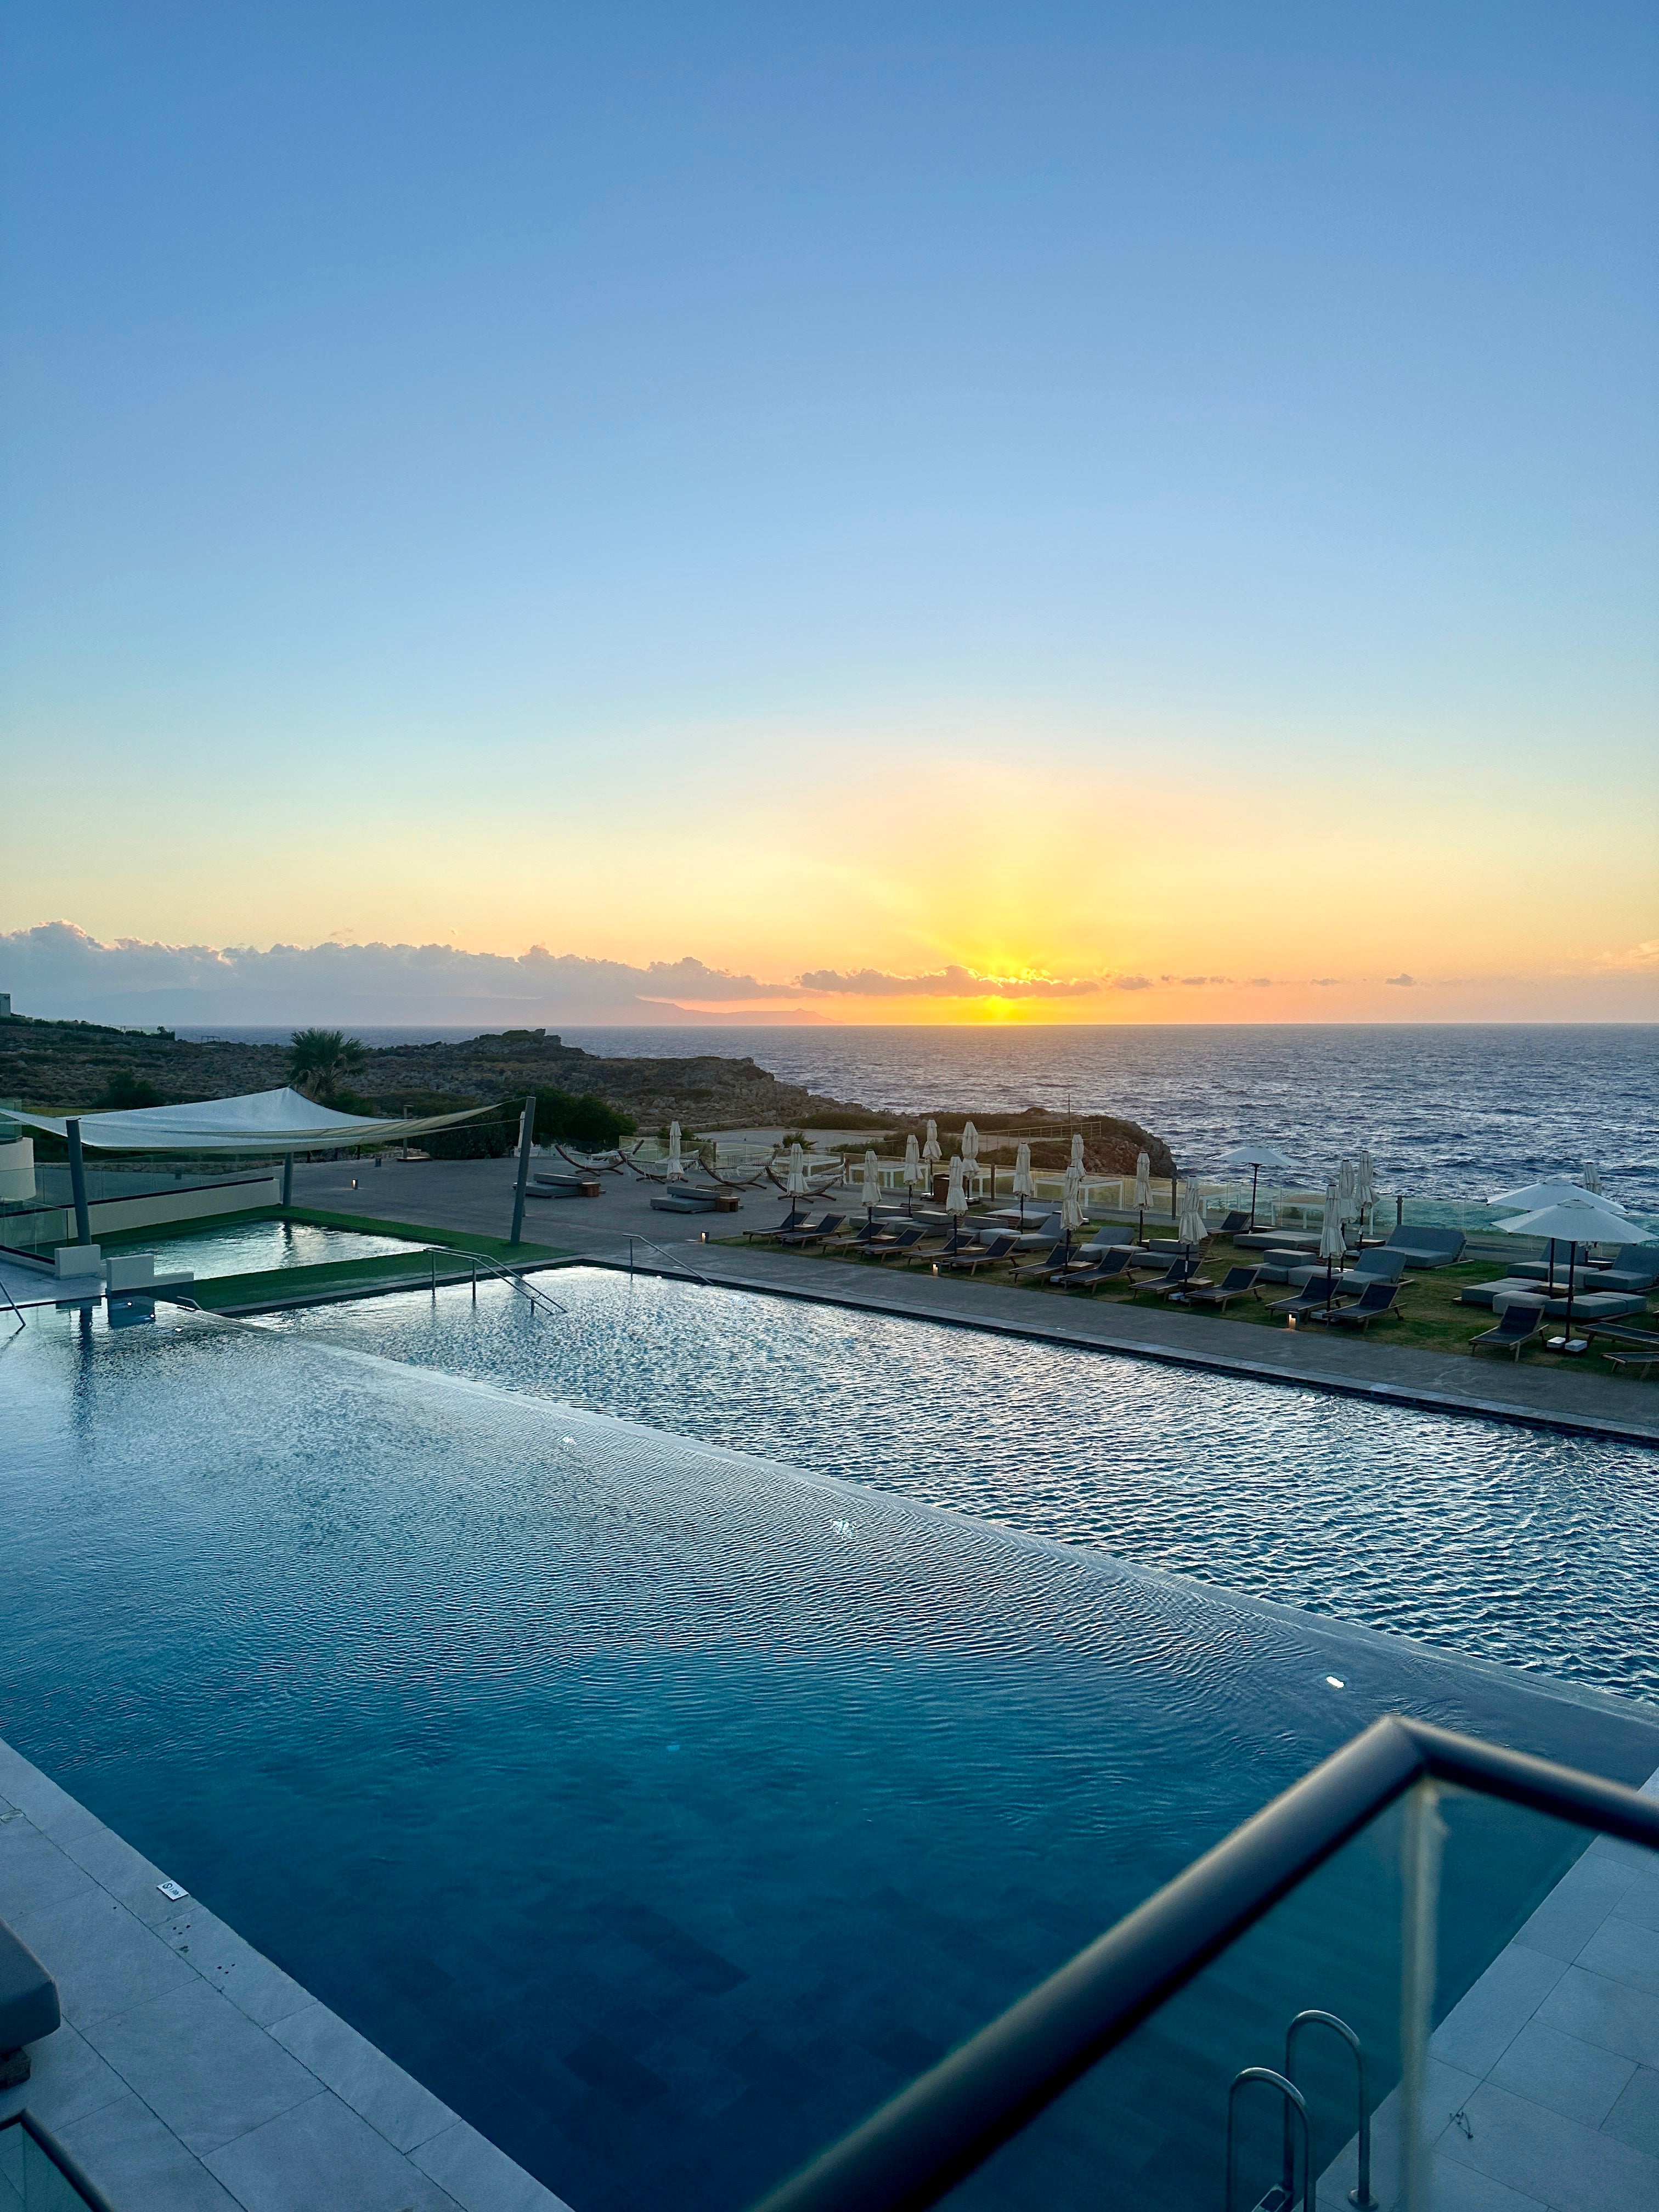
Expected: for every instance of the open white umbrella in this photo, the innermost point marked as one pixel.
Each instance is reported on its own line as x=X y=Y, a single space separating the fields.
x=1533 y=1197
x=915 y=1174
x=956 y=1200
x=1572 y=1222
x=1143 y=1194
x=1255 y=1156
x=1023 y=1187
x=676 y=1162
x=1332 y=1236
x=871 y=1191
x=1192 y=1230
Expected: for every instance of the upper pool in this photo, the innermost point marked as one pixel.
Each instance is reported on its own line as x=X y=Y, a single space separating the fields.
x=663 y=1808
x=242 y=1248
x=1525 y=1545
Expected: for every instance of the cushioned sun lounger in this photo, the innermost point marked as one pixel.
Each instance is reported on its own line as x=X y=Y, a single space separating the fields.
x=1175 y=1276
x=1108 y=1268
x=989 y=1253
x=814 y=1235
x=1286 y=1240
x=1056 y=1256
x=1237 y=1283
x=28 y=2007
x=1310 y=1298
x=795 y=1218
x=1427 y=1247
x=1517 y=1325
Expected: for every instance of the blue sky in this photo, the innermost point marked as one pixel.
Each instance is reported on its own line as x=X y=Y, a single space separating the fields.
x=426 y=414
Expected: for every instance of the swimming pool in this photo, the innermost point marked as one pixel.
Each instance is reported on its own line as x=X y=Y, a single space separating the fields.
x=662 y=1808
x=1518 y=1545
x=241 y=1247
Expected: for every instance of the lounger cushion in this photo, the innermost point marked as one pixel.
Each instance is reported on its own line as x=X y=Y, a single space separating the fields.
x=1427 y=1247
x=29 y=1994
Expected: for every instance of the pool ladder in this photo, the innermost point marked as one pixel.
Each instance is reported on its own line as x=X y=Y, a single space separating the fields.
x=1282 y=2198
x=540 y=1300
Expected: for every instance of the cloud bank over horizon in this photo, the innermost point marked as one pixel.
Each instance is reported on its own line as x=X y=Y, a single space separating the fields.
x=57 y=971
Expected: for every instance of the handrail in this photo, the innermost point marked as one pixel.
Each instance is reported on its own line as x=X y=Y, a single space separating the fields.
x=537 y=1298
x=1295 y=2103
x=664 y=1252
x=1360 y=2195
x=927 y=2139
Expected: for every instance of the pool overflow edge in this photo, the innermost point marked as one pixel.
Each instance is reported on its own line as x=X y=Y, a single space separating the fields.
x=919 y=2146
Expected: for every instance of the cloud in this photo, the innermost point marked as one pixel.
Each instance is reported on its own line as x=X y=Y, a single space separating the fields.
x=1644 y=955
x=951 y=982
x=1324 y=982
x=1260 y=982
x=1402 y=980
x=1131 y=983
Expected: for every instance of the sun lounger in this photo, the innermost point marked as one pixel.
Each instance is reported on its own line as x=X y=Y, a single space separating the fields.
x=1632 y=1267
x=990 y=1253
x=1232 y=1222
x=1286 y=1240
x=1110 y=1267
x=816 y=1234
x=1427 y=1247
x=28 y=2007
x=1310 y=1298
x=1237 y=1283
x=1374 y=1302
x=1517 y=1325
x=1607 y=1305
x=1057 y=1255
x=1175 y=1278
x=1628 y=1355
x=902 y=1243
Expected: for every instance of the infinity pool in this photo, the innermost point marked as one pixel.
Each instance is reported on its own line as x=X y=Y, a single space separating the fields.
x=1519 y=1544
x=241 y=1247
x=662 y=1808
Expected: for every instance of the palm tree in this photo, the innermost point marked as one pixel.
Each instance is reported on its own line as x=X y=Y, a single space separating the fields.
x=320 y=1058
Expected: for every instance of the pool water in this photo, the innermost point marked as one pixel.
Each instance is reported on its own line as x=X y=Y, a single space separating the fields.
x=1524 y=1546
x=242 y=1248
x=662 y=1808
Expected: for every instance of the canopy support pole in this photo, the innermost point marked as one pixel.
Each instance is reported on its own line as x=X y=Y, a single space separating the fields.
x=526 y=1138
x=78 y=1183
x=287 y=1181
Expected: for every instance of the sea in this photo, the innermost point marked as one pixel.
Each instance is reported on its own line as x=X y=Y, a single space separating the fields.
x=1458 y=1112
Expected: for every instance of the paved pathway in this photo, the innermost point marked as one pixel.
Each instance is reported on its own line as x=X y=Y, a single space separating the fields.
x=479 y=1195
x=191 y=2074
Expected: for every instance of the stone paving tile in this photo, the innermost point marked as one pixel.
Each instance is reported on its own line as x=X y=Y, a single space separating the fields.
x=1605 y=2012
x=1568 y=2167
x=320 y=2154
x=1577 y=2079
x=1635 y=2118
x=140 y=2164
x=252 y=1982
x=103 y=1961
x=201 y=2066
x=68 y=2080
x=1577 y=1907
x=480 y=2177
x=1640 y=1901
x=1477 y=2031
x=1626 y=1951
x=366 y=2079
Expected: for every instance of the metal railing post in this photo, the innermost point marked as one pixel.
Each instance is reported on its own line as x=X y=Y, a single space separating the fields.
x=78 y=1167
x=526 y=1138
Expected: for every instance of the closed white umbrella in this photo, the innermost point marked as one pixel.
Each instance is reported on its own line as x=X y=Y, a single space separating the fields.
x=970 y=1151
x=1076 y=1152
x=1332 y=1236
x=1256 y=1155
x=930 y=1150
x=676 y=1162
x=1192 y=1230
x=1347 y=1188
x=1023 y=1187
x=871 y=1191
x=915 y=1174
x=794 y=1181
x=1593 y=1177
x=1072 y=1215
x=956 y=1200
x=1582 y=1219
x=1365 y=1192
x=1143 y=1194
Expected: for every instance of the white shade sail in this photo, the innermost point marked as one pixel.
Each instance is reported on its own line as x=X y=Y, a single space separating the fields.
x=284 y=1121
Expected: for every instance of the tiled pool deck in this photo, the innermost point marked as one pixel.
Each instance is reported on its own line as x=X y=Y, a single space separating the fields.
x=191 y=2074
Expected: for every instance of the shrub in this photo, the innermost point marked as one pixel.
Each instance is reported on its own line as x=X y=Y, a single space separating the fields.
x=124 y=1092
x=587 y=1122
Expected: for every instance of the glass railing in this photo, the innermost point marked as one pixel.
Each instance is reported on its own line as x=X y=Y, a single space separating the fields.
x=38 y=2175
x=1427 y=1975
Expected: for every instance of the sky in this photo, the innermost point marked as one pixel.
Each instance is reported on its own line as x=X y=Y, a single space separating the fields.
x=916 y=513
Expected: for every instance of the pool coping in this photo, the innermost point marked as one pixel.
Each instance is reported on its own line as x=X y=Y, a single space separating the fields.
x=190 y=2071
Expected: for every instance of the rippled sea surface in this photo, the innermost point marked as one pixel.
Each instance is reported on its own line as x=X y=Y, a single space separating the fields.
x=1506 y=1543
x=664 y=1809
